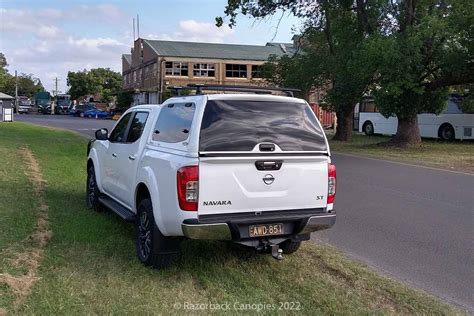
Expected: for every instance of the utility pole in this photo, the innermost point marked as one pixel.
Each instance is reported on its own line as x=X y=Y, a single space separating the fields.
x=55 y=95
x=16 y=92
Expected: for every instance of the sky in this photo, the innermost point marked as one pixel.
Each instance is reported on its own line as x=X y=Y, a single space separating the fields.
x=50 y=38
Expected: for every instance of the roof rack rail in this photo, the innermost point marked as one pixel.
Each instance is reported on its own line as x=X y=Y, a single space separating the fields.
x=239 y=88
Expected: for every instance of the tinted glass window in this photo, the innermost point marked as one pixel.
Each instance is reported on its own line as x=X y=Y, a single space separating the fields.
x=231 y=125
x=118 y=134
x=174 y=122
x=138 y=124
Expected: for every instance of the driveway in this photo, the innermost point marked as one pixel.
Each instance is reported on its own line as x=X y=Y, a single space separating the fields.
x=413 y=223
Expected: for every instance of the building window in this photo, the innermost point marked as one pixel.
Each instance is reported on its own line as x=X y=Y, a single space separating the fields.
x=257 y=71
x=235 y=71
x=135 y=76
x=176 y=68
x=204 y=70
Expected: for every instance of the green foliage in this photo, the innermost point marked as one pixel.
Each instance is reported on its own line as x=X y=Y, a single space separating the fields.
x=101 y=81
x=420 y=57
x=171 y=93
x=124 y=100
x=27 y=83
x=407 y=53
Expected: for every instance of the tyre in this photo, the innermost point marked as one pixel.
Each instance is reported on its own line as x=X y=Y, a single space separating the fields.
x=81 y=114
x=92 y=190
x=289 y=246
x=153 y=249
x=446 y=132
x=368 y=128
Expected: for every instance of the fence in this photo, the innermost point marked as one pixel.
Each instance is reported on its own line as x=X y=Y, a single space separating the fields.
x=325 y=117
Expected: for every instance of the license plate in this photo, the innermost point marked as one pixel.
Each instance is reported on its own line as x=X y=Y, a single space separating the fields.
x=265 y=230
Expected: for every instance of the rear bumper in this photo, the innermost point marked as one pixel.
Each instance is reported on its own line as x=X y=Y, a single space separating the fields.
x=193 y=229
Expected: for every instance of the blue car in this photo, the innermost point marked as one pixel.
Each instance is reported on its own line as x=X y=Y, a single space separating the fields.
x=95 y=113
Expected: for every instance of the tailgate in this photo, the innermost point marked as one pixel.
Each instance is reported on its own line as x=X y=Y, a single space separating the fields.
x=236 y=185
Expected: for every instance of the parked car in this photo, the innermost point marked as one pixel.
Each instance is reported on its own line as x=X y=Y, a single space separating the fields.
x=44 y=107
x=62 y=108
x=81 y=108
x=96 y=113
x=24 y=105
x=251 y=169
x=23 y=108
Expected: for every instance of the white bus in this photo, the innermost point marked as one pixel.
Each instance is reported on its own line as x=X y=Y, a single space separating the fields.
x=450 y=124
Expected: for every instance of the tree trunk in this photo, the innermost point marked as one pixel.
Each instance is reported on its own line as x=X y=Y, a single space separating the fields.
x=408 y=133
x=345 y=119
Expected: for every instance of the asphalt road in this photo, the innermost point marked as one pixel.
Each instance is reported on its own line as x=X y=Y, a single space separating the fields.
x=415 y=224
x=83 y=126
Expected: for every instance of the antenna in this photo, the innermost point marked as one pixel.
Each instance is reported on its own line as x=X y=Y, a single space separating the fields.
x=138 y=26
x=133 y=29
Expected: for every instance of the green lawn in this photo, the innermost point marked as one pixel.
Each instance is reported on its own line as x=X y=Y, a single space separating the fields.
x=89 y=265
x=456 y=156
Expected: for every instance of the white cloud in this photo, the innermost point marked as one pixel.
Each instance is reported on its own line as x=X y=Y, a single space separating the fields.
x=194 y=31
x=36 y=41
x=48 y=31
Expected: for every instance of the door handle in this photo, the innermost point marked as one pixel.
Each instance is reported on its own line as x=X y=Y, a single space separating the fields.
x=114 y=155
x=131 y=157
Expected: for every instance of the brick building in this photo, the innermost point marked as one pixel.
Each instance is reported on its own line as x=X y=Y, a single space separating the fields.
x=154 y=64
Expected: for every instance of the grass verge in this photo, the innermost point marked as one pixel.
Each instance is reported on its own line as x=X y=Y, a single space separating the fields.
x=89 y=265
x=455 y=156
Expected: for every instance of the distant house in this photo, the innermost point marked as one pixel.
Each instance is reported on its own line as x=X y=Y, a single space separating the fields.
x=154 y=64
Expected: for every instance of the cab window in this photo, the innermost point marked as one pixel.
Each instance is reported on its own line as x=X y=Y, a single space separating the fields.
x=118 y=134
x=137 y=126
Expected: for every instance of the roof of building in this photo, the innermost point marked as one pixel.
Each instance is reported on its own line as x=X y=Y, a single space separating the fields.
x=127 y=57
x=211 y=50
x=288 y=48
x=4 y=96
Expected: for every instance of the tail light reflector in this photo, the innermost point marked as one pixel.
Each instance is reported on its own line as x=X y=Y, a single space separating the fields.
x=331 y=183
x=188 y=188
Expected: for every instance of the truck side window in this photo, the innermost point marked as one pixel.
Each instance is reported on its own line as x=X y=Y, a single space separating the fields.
x=118 y=134
x=174 y=122
x=138 y=124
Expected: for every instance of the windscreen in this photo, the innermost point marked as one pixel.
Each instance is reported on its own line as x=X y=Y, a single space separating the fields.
x=238 y=125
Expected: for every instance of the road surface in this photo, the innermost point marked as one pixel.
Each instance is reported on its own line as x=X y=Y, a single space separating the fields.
x=83 y=126
x=414 y=223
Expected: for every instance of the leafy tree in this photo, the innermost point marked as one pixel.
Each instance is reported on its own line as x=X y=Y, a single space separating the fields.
x=27 y=83
x=408 y=52
x=333 y=54
x=124 y=100
x=101 y=81
x=426 y=48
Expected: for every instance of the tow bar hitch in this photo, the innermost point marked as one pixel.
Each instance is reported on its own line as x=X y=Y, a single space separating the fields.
x=277 y=253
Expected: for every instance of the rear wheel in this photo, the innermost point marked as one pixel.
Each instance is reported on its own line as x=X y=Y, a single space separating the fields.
x=446 y=132
x=152 y=247
x=368 y=128
x=289 y=246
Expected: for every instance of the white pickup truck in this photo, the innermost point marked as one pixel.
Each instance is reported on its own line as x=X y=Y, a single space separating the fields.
x=248 y=168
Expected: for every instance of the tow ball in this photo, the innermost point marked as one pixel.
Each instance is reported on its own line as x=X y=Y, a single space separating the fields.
x=277 y=253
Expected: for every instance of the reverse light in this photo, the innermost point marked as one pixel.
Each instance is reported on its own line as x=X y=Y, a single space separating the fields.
x=188 y=188
x=331 y=183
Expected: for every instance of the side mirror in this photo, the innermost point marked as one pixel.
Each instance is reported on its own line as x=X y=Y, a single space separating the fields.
x=101 y=134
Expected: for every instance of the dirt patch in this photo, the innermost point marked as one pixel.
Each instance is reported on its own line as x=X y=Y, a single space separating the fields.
x=30 y=258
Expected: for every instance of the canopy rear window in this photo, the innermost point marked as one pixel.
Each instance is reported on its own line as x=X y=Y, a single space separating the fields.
x=238 y=125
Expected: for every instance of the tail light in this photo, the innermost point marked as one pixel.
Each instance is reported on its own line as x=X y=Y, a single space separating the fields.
x=331 y=183
x=188 y=186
